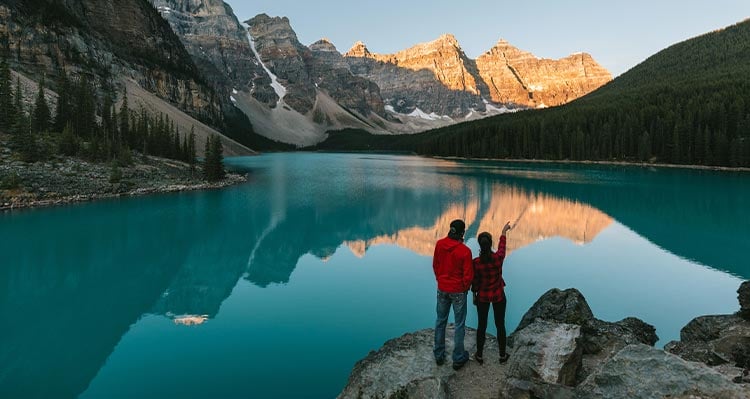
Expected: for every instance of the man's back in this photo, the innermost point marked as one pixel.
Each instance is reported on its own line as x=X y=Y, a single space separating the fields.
x=452 y=264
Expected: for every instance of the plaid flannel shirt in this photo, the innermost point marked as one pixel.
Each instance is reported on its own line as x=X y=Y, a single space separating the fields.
x=488 y=281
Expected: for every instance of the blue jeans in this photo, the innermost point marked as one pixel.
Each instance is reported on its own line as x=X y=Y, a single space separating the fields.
x=444 y=302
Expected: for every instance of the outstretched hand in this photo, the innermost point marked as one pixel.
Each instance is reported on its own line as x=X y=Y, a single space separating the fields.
x=506 y=228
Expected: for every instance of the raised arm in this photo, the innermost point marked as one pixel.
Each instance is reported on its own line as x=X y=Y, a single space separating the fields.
x=501 y=245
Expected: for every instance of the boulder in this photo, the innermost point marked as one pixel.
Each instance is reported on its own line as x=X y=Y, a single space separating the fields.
x=521 y=389
x=640 y=371
x=696 y=352
x=405 y=367
x=567 y=306
x=599 y=339
x=715 y=340
x=546 y=351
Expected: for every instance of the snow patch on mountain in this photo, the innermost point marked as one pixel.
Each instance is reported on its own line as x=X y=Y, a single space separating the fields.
x=418 y=113
x=277 y=87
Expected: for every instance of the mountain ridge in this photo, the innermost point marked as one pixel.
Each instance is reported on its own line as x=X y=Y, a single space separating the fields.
x=687 y=104
x=327 y=90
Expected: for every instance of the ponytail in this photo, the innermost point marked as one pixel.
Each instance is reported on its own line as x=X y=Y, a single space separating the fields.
x=485 y=247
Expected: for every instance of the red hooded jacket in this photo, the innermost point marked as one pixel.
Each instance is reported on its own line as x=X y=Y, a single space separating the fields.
x=452 y=265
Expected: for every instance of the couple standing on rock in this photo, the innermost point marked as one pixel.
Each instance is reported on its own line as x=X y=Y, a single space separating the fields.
x=456 y=273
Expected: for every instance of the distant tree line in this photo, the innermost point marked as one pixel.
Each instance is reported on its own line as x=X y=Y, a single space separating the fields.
x=706 y=125
x=92 y=128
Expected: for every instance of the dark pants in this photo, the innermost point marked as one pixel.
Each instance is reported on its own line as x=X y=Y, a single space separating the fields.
x=483 y=311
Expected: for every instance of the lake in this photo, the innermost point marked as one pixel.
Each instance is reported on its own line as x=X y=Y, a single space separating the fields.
x=276 y=287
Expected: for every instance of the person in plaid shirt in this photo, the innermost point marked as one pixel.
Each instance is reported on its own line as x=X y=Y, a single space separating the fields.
x=488 y=288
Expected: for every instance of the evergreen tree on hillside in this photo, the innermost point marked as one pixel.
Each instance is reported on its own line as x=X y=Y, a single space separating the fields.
x=213 y=166
x=218 y=152
x=191 y=150
x=24 y=139
x=18 y=117
x=84 y=113
x=207 y=160
x=64 y=107
x=125 y=121
x=41 y=115
x=68 y=144
x=6 y=96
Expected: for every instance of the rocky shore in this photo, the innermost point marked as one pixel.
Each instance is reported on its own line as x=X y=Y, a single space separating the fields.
x=67 y=180
x=560 y=350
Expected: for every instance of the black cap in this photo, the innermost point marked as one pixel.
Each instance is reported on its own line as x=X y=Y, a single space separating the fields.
x=458 y=228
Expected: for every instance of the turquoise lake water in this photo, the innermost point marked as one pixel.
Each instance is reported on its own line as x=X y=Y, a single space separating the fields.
x=276 y=287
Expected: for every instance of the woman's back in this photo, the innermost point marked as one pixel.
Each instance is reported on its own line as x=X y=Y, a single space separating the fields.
x=488 y=273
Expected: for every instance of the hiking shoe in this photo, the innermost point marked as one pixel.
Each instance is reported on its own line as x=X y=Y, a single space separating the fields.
x=457 y=365
x=504 y=358
x=478 y=358
x=440 y=361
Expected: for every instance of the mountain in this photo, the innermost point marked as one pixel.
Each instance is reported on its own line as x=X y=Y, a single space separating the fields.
x=432 y=77
x=313 y=91
x=519 y=77
x=117 y=45
x=688 y=104
x=438 y=77
x=296 y=93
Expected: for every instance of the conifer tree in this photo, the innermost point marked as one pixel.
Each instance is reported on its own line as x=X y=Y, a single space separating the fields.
x=24 y=140
x=68 y=143
x=18 y=119
x=41 y=117
x=217 y=151
x=213 y=168
x=6 y=96
x=207 y=160
x=191 y=150
x=125 y=120
x=64 y=108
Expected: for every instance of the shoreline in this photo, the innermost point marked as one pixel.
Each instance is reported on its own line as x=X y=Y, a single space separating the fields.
x=607 y=163
x=231 y=179
x=544 y=161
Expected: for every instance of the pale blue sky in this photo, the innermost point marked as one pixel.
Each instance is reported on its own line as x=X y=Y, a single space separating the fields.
x=619 y=34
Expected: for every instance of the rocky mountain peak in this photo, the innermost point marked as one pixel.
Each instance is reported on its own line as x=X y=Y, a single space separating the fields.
x=323 y=45
x=359 y=49
x=520 y=77
x=448 y=38
x=279 y=24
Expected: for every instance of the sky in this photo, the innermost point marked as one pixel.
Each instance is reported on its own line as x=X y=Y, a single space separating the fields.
x=618 y=34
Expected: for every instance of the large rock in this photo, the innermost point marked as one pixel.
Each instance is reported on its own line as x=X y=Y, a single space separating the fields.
x=599 y=339
x=546 y=351
x=549 y=358
x=640 y=371
x=715 y=340
x=568 y=306
x=405 y=367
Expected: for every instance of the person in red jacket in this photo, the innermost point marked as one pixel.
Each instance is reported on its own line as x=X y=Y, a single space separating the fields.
x=454 y=273
x=489 y=288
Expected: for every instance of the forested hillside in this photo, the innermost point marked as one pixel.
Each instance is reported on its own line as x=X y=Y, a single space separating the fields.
x=688 y=104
